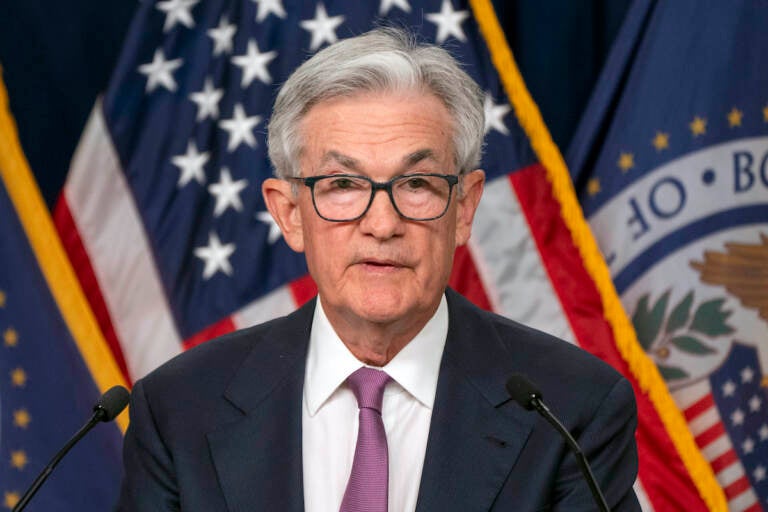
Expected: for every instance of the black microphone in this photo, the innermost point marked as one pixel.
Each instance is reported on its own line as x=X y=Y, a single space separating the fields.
x=525 y=393
x=109 y=405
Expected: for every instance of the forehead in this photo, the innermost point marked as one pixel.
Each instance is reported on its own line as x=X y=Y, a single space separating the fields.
x=383 y=127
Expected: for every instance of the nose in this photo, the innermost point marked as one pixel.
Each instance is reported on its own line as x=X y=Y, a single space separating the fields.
x=382 y=220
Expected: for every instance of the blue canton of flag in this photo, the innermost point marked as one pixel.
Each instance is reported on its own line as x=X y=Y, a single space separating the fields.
x=741 y=398
x=671 y=162
x=46 y=390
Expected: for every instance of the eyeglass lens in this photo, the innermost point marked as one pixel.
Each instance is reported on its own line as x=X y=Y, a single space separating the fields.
x=418 y=197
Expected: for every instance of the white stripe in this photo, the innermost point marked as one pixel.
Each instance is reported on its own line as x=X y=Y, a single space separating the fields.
x=716 y=448
x=642 y=497
x=703 y=421
x=730 y=474
x=509 y=264
x=743 y=501
x=689 y=395
x=276 y=303
x=109 y=224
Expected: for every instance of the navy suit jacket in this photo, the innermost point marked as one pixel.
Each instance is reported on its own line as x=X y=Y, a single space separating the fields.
x=218 y=428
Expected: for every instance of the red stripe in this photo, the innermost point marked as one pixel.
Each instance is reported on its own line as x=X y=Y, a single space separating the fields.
x=662 y=473
x=727 y=459
x=78 y=256
x=710 y=435
x=220 y=328
x=736 y=488
x=699 y=407
x=303 y=289
x=466 y=280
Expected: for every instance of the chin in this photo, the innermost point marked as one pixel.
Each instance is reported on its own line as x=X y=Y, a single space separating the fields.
x=382 y=307
x=390 y=304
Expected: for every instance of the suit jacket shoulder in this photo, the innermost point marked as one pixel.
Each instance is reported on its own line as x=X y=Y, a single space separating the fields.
x=487 y=453
x=219 y=426
x=488 y=344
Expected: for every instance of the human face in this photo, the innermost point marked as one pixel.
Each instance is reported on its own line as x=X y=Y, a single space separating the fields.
x=381 y=268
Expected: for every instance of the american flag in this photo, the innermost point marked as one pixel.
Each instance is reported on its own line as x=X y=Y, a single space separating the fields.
x=672 y=160
x=163 y=218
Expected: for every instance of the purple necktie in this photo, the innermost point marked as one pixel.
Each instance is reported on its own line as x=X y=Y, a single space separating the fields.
x=367 y=486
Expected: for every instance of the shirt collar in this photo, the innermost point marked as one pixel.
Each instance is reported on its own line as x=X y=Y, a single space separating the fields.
x=415 y=368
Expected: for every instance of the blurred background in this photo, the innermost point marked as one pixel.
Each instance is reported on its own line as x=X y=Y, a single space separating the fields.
x=645 y=244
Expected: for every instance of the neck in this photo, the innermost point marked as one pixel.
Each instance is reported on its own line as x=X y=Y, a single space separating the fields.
x=377 y=343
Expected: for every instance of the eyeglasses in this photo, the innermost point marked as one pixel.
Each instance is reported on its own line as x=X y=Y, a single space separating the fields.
x=347 y=197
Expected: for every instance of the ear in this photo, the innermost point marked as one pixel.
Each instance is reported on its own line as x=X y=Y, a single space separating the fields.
x=283 y=204
x=472 y=189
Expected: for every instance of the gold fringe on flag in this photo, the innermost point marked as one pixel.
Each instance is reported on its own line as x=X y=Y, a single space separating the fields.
x=51 y=257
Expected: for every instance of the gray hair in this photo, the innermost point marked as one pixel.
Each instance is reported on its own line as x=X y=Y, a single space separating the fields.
x=382 y=60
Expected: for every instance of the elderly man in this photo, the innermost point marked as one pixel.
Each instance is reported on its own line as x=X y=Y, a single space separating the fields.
x=386 y=392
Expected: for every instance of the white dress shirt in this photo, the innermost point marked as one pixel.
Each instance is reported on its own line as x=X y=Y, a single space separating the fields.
x=330 y=413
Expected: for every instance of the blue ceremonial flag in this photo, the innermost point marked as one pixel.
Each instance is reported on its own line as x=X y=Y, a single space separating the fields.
x=47 y=389
x=671 y=166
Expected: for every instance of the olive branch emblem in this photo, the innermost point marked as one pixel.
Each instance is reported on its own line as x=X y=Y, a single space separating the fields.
x=692 y=331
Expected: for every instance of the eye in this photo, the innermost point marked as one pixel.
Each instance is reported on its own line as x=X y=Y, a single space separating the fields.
x=344 y=183
x=416 y=182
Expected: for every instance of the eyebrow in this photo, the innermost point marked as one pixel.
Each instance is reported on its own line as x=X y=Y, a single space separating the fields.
x=344 y=160
x=418 y=156
x=353 y=164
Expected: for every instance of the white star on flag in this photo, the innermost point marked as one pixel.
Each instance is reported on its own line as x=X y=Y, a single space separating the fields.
x=267 y=7
x=748 y=445
x=274 y=229
x=254 y=64
x=207 y=101
x=191 y=164
x=494 y=115
x=729 y=388
x=759 y=473
x=448 y=22
x=755 y=403
x=747 y=374
x=240 y=128
x=177 y=11
x=227 y=193
x=216 y=256
x=222 y=36
x=737 y=418
x=159 y=71
x=386 y=5
x=322 y=27
x=763 y=432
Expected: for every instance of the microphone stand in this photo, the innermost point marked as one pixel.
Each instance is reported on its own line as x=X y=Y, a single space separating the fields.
x=43 y=476
x=542 y=409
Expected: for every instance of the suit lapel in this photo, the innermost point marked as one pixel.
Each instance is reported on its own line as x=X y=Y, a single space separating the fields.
x=258 y=458
x=476 y=432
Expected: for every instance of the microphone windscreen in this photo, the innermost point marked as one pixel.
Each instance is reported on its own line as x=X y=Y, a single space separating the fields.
x=112 y=402
x=522 y=390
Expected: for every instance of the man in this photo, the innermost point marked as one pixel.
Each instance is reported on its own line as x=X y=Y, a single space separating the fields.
x=376 y=142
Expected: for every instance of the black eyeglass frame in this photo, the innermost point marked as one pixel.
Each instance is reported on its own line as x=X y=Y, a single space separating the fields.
x=452 y=179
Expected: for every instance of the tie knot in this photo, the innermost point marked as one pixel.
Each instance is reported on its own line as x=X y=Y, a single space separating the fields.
x=368 y=386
